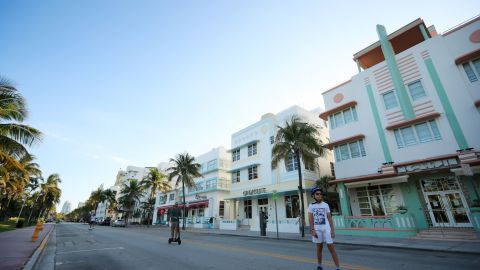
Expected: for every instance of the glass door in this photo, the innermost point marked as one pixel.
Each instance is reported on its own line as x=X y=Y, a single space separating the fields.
x=437 y=210
x=456 y=210
x=445 y=202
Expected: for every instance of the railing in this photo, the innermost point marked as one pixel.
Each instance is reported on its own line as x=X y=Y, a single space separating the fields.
x=388 y=223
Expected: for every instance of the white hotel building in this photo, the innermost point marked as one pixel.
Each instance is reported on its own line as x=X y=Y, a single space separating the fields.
x=238 y=183
x=205 y=201
x=406 y=132
x=254 y=180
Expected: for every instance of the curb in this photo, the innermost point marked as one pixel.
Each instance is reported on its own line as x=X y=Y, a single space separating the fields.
x=34 y=258
x=347 y=243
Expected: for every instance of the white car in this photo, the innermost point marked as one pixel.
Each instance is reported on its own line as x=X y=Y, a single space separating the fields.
x=119 y=223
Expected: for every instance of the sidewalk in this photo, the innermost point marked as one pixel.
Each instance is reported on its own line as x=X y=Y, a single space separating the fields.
x=456 y=246
x=16 y=247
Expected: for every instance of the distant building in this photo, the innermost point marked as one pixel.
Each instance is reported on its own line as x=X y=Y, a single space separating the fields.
x=67 y=207
x=81 y=204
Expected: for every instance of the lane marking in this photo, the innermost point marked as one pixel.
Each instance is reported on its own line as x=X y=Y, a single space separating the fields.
x=278 y=255
x=89 y=250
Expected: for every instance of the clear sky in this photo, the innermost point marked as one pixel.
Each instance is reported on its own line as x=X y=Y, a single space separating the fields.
x=117 y=83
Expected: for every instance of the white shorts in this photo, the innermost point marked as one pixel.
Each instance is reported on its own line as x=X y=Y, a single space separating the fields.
x=323 y=236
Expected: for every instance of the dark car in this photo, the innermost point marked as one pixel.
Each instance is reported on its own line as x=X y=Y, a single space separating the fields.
x=106 y=222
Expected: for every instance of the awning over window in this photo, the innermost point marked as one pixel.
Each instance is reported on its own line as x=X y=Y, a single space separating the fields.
x=196 y=204
x=342 y=107
x=467 y=57
x=382 y=181
x=344 y=140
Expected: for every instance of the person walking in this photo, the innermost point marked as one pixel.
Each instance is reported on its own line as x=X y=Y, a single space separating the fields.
x=92 y=220
x=318 y=214
x=174 y=216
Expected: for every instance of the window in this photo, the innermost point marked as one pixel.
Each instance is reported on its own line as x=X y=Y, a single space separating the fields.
x=252 y=149
x=310 y=166
x=416 y=90
x=221 y=209
x=247 y=207
x=212 y=164
x=292 y=164
x=349 y=150
x=472 y=69
x=172 y=197
x=344 y=117
x=252 y=173
x=236 y=177
x=163 y=199
x=272 y=140
x=418 y=133
x=211 y=183
x=292 y=207
x=377 y=200
x=236 y=155
x=390 y=100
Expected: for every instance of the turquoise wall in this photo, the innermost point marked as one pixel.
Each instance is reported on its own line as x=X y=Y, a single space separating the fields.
x=413 y=202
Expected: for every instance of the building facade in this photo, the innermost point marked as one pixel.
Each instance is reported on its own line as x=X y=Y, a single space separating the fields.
x=405 y=132
x=205 y=202
x=258 y=187
x=66 y=208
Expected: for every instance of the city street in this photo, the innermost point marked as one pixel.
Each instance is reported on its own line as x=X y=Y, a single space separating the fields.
x=147 y=248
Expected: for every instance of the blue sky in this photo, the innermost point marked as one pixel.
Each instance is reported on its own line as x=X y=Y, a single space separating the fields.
x=117 y=83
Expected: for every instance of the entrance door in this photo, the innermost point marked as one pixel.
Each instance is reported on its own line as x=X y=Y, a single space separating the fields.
x=262 y=206
x=445 y=202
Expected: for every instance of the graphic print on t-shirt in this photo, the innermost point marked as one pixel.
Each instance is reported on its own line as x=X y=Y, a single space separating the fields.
x=319 y=216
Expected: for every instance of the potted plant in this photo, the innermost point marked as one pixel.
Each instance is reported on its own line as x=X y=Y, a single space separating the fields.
x=402 y=209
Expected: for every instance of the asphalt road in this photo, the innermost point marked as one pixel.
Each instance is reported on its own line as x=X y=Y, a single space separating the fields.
x=147 y=248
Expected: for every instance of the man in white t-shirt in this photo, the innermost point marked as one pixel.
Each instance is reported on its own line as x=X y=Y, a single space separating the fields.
x=321 y=230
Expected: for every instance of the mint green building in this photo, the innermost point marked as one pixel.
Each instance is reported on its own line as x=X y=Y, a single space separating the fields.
x=405 y=132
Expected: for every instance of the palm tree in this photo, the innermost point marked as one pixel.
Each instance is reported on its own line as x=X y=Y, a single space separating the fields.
x=184 y=170
x=13 y=135
x=110 y=198
x=323 y=184
x=156 y=181
x=50 y=193
x=96 y=197
x=300 y=140
x=147 y=207
x=130 y=194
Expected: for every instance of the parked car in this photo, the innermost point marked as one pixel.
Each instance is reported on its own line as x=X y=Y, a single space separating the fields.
x=118 y=223
x=106 y=222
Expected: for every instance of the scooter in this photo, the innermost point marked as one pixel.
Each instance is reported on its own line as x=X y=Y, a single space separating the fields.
x=178 y=240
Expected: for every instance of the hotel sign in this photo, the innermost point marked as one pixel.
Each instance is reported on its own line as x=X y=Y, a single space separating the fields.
x=436 y=164
x=254 y=191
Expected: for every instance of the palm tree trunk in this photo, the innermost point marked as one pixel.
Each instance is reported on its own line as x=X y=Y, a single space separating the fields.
x=300 y=190
x=184 y=206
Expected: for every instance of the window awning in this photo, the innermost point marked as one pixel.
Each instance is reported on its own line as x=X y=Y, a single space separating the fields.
x=357 y=137
x=342 y=107
x=382 y=181
x=410 y=122
x=467 y=57
x=196 y=204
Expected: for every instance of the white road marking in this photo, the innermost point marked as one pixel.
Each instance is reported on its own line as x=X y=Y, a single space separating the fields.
x=89 y=250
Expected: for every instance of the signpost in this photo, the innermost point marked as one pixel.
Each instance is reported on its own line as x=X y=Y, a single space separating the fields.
x=274 y=197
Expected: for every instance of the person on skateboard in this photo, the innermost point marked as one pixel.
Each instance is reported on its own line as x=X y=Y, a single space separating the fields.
x=174 y=215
